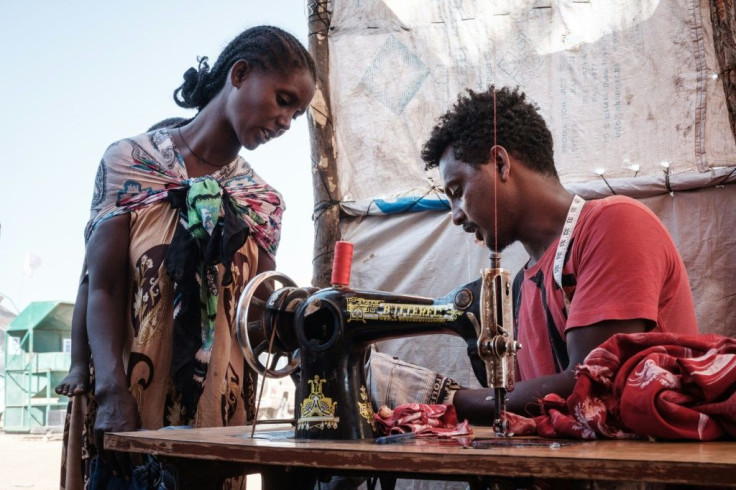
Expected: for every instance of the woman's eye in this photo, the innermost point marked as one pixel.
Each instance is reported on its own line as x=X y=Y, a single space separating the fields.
x=282 y=101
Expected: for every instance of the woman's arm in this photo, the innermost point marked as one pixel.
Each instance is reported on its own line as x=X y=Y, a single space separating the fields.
x=265 y=264
x=107 y=261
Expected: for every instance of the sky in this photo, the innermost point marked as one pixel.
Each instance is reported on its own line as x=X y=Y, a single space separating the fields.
x=81 y=74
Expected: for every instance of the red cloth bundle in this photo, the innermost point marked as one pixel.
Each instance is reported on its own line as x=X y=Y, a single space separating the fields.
x=656 y=385
x=422 y=419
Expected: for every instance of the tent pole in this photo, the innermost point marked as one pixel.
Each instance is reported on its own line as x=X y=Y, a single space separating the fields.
x=723 y=18
x=326 y=214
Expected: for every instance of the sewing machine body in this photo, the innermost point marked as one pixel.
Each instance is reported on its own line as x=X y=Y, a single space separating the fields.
x=332 y=329
x=335 y=326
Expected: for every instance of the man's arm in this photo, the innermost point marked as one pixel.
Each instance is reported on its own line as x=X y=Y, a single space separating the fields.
x=475 y=405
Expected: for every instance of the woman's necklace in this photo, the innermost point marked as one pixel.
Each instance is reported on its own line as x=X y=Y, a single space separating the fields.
x=199 y=158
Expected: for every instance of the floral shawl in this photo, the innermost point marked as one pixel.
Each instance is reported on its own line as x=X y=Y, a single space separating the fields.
x=217 y=213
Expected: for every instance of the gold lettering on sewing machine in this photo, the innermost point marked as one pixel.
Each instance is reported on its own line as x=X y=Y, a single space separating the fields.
x=317 y=411
x=363 y=309
x=366 y=409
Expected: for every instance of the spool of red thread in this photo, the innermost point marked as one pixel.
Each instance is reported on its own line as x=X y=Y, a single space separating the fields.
x=341 y=264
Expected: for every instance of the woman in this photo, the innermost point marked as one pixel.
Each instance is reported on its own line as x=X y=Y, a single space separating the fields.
x=76 y=382
x=179 y=225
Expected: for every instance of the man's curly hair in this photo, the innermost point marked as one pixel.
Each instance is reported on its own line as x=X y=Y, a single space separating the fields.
x=469 y=128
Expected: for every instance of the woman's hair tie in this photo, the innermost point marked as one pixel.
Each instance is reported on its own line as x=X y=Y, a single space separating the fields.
x=203 y=68
x=190 y=95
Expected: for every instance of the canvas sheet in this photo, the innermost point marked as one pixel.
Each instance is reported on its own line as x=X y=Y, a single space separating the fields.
x=624 y=86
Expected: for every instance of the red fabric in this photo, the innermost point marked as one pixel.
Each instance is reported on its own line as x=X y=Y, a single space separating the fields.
x=421 y=418
x=656 y=385
x=622 y=265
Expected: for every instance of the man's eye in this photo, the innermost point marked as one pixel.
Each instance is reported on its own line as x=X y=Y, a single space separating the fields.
x=282 y=101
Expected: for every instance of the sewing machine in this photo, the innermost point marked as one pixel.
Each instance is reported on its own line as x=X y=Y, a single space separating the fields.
x=326 y=332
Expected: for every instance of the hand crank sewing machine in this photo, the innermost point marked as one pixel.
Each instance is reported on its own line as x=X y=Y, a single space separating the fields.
x=327 y=331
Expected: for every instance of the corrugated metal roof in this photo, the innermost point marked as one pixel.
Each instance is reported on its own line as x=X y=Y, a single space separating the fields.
x=43 y=315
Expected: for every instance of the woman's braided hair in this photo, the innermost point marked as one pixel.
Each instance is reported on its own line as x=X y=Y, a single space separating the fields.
x=469 y=127
x=264 y=47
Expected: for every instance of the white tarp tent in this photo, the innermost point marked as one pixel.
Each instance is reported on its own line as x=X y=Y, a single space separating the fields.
x=624 y=85
x=629 y=88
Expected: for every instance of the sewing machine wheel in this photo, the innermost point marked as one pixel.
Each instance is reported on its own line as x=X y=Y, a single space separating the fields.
x=281 y=361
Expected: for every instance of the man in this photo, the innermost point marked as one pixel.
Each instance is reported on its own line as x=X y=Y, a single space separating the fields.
x=619 y=270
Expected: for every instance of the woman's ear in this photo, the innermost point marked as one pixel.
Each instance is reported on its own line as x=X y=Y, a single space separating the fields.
x=239 y=72
x=502 y=160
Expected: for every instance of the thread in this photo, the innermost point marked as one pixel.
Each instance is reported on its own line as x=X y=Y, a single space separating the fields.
x=341 y=263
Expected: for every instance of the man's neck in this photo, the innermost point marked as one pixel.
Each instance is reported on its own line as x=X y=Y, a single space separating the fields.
x=547 y=211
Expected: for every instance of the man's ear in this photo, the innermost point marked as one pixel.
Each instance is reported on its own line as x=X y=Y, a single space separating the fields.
x=501 y=157
x=239 y=72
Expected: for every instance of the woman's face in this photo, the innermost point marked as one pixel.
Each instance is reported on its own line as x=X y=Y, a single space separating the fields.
x=262 y=104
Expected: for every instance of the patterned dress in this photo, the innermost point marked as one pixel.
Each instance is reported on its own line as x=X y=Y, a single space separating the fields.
x=194 y=245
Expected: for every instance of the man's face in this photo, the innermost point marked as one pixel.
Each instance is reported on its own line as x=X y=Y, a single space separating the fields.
x=471 y=190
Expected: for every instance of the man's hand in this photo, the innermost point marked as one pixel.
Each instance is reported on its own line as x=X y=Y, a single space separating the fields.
x=476 y=404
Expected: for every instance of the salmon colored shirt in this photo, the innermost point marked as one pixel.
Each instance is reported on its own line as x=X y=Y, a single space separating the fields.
x=621 y=264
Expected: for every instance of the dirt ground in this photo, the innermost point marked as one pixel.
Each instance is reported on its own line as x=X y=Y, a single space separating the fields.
x=32 y=461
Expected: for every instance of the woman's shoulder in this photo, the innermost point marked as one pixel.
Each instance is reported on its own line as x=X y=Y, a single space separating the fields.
x=121 y=148
x=241 y=174
x=151 y=139
x=154 y=148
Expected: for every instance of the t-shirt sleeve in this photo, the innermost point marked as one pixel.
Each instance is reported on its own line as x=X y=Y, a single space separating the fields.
x=621 y=258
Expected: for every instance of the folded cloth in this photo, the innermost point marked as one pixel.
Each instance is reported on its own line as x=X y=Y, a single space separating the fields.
x=655 y=385
x=422 y=419
x=393 y=382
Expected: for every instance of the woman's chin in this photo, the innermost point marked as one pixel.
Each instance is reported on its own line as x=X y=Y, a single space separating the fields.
x=251 y=145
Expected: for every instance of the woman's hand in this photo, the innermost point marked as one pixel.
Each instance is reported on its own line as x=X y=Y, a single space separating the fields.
x=117 y=411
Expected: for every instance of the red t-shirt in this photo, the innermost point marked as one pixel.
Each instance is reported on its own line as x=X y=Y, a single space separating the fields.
x=621 y=264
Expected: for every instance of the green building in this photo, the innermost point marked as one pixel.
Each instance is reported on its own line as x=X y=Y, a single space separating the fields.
x=37 y=357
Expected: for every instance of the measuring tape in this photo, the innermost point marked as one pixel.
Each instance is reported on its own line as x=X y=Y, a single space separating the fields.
x=570 y=221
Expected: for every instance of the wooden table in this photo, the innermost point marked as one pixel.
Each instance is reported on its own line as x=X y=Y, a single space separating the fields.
x=232 y=449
